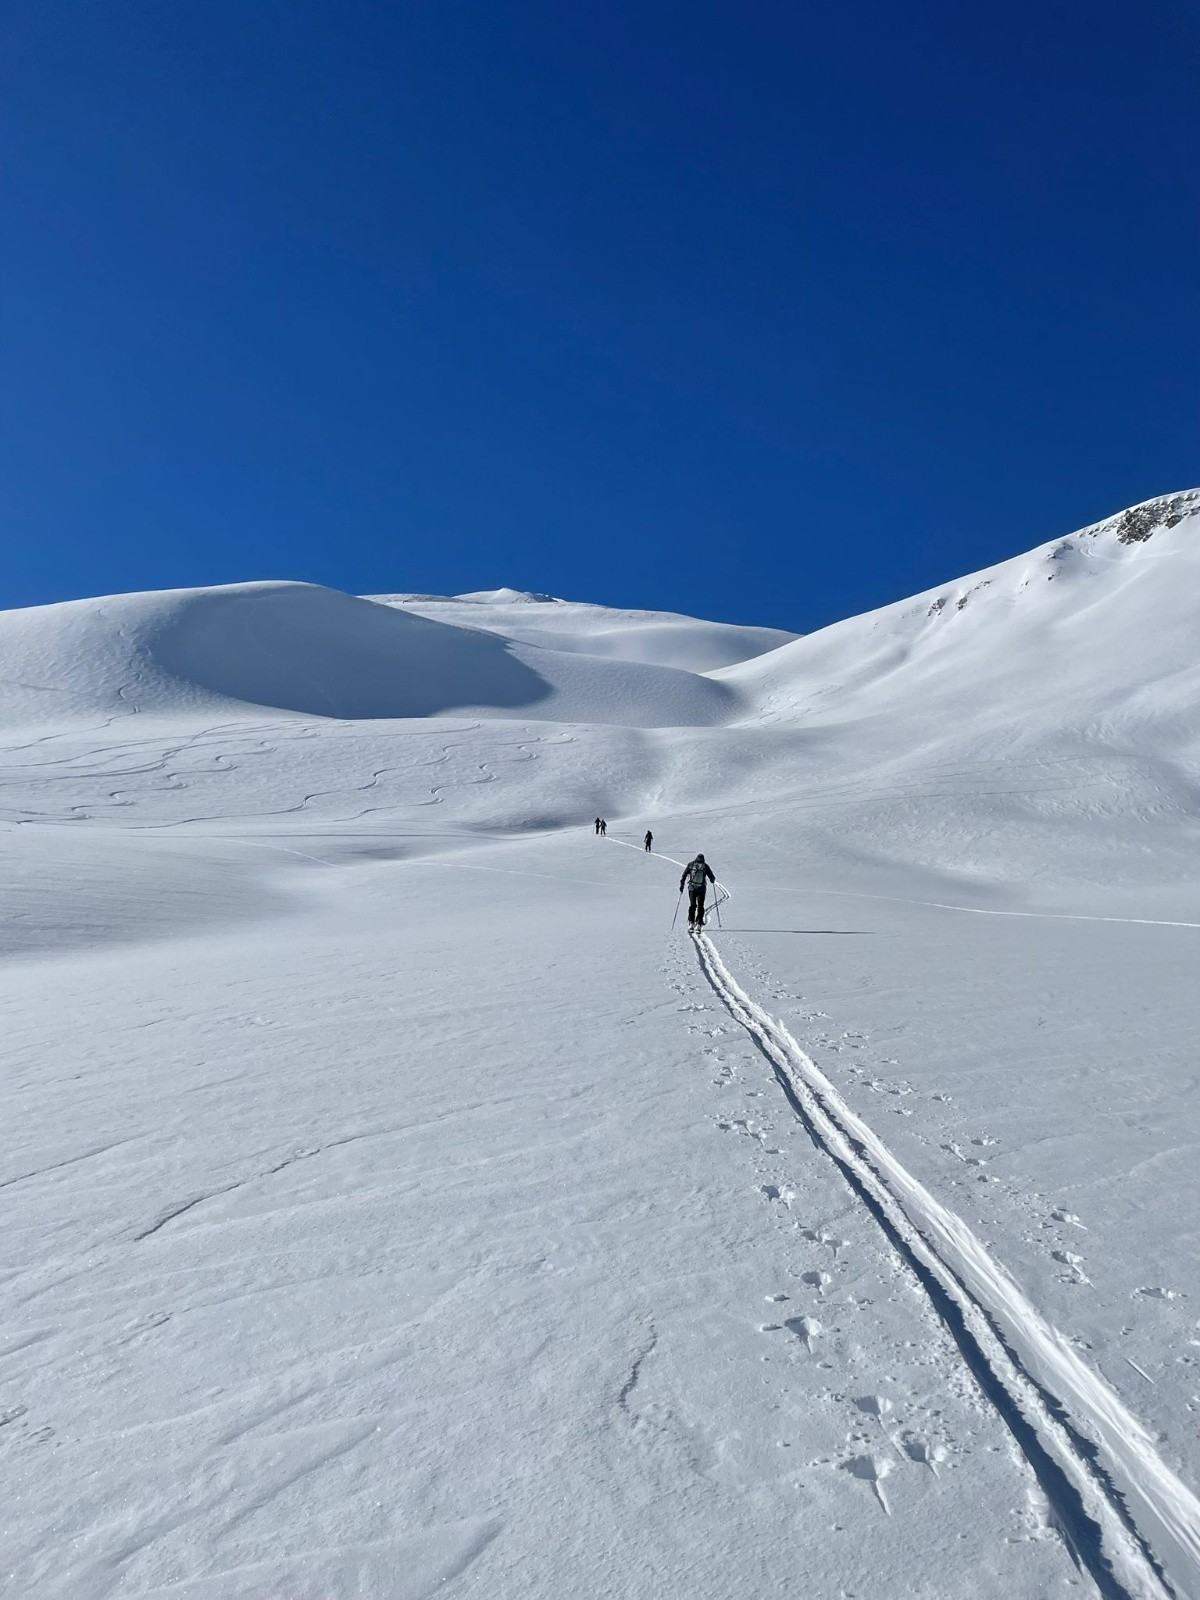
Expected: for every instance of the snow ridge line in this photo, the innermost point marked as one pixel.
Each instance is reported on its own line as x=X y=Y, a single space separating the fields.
x=1127 y=1519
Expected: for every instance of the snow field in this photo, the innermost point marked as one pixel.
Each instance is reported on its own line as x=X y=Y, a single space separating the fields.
x=1029 y=1370
x=393 y=1206
x=320 y=1285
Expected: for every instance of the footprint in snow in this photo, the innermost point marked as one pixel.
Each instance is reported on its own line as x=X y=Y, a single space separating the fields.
x=872 y=1470
x=805 y=1328
x=924 y=1452
x=819 y=1281
x=1075 y=1263
x=1067 y=1216
x=1156 y=1292
x=951 y=1148
x=874 y=1405
x=823 y=1237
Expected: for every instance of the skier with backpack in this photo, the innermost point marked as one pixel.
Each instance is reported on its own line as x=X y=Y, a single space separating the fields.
x=648 y=840
x=697 y=875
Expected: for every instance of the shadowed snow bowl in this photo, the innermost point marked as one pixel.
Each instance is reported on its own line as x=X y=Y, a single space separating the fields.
x=323 y=653
x=301 y=648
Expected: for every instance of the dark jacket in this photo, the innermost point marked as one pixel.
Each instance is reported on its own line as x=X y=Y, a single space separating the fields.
x=687 y=872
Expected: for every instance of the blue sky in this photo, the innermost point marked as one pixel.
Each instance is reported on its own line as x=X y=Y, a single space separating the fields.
x=771 y=313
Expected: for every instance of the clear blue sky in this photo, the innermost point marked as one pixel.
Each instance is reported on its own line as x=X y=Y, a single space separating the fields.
x=770 y=312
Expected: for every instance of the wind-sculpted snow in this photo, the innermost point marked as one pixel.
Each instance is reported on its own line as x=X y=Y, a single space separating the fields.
x=656 y=638
x=297 y=647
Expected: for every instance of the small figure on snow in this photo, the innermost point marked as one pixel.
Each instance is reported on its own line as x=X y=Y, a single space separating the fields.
x=603 y=828
x=597 y=827
x=697 y=875
x=648 y=840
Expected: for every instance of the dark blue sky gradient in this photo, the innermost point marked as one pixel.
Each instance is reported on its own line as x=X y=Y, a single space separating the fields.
x=771 y=313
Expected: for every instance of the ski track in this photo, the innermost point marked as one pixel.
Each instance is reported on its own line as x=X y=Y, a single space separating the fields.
x=989 y=911
x=941 y=905
x=1125 y=1516
x=723 y=891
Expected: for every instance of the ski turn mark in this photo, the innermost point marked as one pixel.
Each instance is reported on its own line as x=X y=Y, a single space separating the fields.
x=1125 y=1516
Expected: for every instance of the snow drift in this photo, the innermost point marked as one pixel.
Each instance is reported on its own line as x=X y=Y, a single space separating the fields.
x=314 y=651
x=653 y=638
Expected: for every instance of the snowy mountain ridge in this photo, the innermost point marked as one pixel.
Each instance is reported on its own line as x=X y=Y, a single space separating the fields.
x=312 y=651
x=301 y=648
x=1120 y=617
x=663 y=638
x=1083 y=650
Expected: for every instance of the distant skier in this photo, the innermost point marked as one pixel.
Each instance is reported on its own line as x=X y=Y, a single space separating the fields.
x=597 y=827
x=648 y=840
x=697 y=875
x=603 y=828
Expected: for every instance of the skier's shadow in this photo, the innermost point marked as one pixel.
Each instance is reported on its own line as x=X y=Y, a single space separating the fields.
x=865 y=933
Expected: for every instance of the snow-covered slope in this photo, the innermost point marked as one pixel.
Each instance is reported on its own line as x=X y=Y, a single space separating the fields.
x=655 y=638
x=301 y=648
x=1091 y=634
x=396 y=1204
x=967 y=727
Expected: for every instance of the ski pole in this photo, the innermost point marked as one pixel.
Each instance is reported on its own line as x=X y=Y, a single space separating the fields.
x=717 y=909
x=678 y=903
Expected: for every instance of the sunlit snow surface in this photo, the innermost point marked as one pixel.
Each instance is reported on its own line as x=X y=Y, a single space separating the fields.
x=395 y=1205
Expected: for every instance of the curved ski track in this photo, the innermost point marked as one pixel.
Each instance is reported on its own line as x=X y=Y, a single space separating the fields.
x=1126 y=1518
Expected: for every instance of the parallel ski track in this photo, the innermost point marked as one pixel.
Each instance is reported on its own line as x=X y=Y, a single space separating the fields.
x=723 y=892
x=1125 y=1516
